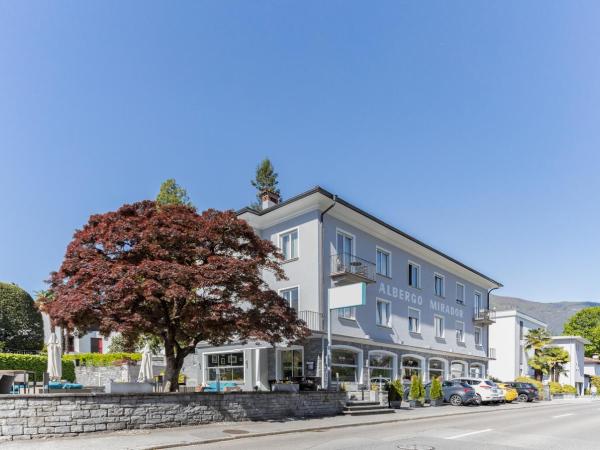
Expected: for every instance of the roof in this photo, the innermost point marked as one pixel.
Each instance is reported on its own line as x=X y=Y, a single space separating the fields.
x=324 y=192
x=571 y=338
x=517 y=313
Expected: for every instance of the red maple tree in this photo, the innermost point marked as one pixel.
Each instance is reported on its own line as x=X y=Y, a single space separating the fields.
x=168 y=271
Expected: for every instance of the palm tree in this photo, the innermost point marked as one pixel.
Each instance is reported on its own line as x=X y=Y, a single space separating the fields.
x=536 y=339
x=556 y=359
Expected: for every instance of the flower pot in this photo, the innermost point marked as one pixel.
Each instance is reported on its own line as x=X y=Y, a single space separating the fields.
x=412 y=403
x=436 y=402
x=396 y=404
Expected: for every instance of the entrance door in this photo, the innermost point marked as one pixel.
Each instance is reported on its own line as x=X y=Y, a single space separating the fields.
x=291 y=364
x=344 y=248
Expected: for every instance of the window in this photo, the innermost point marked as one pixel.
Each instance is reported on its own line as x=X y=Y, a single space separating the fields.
x=344 y=365
x=70 y=343
x=291 y=364
x=460 y=293
x=414 y=320
x=460 y=331
x=477 y=302
x=347 y=313
x=436 y=369
x=414 y=275
x=438 y=285
x=521 y=330
x=345 y=244
x=291 y=295
x=458 y=370
x=288 y=243
x=384 y=313
x=381 y=365
x=438 y=323
x=226 y=366
x=383 y=263
x=410 y=366
x=477 y=333
x=476 y=371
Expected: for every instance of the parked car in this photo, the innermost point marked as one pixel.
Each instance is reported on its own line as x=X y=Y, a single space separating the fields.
x=486 y=390
x=510 y=393
x=527 y=392
x=454 y=392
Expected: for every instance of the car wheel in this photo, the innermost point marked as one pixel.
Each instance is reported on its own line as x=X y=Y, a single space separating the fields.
x=523 y=398
x=478 y=400
x=455 y=400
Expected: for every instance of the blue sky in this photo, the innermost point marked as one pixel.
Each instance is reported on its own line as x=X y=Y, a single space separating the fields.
x=471 y=125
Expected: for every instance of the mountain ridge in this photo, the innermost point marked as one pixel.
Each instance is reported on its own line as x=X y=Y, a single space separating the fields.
x=555 y=314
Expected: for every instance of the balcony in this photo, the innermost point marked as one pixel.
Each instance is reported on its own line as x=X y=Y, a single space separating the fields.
x=347 y=269
x=484 y=316
x=313 y=320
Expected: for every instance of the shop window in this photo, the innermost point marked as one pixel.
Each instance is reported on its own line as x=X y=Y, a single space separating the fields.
x=344 y=365
x=226 y=366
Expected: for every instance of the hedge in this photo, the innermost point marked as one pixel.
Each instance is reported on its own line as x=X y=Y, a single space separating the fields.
x=555 y=388
x=101 y=359
x=35 y=363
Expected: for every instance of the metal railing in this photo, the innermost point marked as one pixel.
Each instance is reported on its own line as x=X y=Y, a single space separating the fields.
x=313 y=320
x=484 y=315
x=347 y=263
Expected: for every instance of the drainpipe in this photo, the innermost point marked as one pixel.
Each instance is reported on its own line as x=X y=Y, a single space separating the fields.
x=488 y=327
x=327 y=359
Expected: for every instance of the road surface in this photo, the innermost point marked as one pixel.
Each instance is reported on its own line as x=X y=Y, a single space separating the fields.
x=573 y=426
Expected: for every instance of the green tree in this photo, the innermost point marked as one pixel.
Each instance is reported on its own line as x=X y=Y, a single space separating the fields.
x=556 y=359
x=435 y=392
x=265 y=180
x=536 y=340
x=586 y=323
x=21 y=325
x=172 y=194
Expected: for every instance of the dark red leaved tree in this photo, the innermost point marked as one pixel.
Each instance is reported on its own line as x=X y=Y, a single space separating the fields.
x=168 y=271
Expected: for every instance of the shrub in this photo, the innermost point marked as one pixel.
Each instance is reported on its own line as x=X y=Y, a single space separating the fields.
x=35 y=363
x=596 y=382
x=555 y=388
x=417 y=391
x=102 y=359
x=568 y=389
x=395 y=391
x=435 y=392
x=21 y=325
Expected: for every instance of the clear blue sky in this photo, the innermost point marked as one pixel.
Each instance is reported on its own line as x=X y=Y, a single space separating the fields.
x=472 y=125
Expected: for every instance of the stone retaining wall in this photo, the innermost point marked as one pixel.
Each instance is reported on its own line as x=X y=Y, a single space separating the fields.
x=34 y=416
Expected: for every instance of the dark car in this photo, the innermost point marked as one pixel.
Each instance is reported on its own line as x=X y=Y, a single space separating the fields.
x=527 y=391
x=455 y=393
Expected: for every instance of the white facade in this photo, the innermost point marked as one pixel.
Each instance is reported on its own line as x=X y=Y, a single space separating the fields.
x=87 y=343
x=507 y=336
x=591 y=369
x=574 y=374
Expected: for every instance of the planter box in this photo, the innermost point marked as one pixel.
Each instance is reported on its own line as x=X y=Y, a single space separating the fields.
x=286 y=387
x=436 y=402
x=396 y=404
x=128 y=388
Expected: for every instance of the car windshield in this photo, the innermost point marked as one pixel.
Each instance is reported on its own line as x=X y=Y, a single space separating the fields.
x=490 y=383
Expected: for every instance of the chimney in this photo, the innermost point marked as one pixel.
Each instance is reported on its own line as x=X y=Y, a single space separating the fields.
x=269 y=199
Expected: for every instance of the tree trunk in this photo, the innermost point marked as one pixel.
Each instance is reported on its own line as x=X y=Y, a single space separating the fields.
x=174 y=365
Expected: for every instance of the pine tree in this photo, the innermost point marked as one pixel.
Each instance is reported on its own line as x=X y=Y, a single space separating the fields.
x=265 y=181
x=172 y=194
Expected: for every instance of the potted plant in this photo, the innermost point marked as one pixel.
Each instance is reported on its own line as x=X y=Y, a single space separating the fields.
x=435 y=393
x=395 y=393
x=416 y=391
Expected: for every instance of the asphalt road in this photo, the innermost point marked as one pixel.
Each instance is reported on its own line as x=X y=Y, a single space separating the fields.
x=573 y=426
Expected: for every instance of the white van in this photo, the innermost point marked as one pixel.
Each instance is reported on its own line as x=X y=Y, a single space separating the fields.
x=486 y=390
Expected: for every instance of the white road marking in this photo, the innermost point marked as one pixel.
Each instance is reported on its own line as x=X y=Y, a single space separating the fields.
x=469 y=434
x=562 y=415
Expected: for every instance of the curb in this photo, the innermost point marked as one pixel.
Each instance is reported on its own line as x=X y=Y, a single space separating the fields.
x=331 y=427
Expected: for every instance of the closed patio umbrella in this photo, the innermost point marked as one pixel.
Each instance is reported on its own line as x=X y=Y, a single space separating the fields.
x=54 y=358
x=146 y=374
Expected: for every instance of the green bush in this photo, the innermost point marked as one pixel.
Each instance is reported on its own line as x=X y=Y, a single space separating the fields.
x=568 y=389
x=435 y=392
x=102 y=359
x=555 y=388
x=417 y=390
x=395 y=391
x=35 y=363
x=21 y=325
x=596 y=382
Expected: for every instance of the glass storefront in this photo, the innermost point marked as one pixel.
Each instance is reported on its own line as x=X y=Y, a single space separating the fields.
x=291 y=364
x=344 y=365
x=229 y=366
x=381 y=366
x=436 y=369
x=411 y=366
x=458 y=370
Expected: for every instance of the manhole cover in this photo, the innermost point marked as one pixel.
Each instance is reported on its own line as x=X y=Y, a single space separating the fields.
x=414 y=447
x=236 y=431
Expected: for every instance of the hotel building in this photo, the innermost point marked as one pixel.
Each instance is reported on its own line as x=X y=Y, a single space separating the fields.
x=425 y=313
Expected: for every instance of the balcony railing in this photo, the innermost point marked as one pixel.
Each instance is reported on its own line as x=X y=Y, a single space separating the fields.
x=484 y=316
x=492 y=353
x=347 y=268
x=313 y=320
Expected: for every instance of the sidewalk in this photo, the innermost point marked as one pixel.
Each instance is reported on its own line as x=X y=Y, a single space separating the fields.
x=204 y=434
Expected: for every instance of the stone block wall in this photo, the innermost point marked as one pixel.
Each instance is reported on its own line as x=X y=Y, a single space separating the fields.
x=48 y=415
